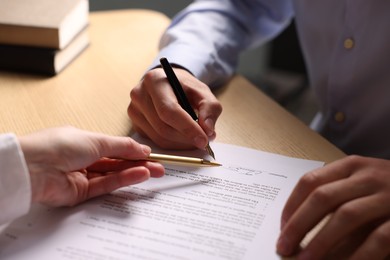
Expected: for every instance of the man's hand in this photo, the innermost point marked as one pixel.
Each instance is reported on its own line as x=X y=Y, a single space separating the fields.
x=356 y=192
x=68 y=165
x=156 y=113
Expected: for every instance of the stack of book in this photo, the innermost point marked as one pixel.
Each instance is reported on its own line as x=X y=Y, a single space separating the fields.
x=42 y=36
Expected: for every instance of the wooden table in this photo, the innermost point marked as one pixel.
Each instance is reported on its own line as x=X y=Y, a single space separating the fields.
x=93 y=93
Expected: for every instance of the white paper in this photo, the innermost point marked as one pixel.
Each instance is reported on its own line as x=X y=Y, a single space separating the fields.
x=228 y=212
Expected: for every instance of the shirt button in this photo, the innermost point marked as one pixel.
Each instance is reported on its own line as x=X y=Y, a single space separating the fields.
x=339 y=117
x=349 y=43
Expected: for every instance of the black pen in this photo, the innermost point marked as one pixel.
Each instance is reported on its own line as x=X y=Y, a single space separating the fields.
x=180 y=95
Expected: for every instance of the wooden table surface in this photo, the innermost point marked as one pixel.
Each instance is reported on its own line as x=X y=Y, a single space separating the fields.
x=93 y=93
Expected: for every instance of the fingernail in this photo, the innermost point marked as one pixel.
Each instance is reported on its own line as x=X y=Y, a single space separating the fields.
x=210 y=126
x=200 y=142
x=283 y=246
x=141 y=176
x=146 y=149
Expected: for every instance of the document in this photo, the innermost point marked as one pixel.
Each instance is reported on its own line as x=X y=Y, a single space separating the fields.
x=228 y=212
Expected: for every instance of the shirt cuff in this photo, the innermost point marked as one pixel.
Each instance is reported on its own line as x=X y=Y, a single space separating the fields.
x=15 y=183
x=209 y=73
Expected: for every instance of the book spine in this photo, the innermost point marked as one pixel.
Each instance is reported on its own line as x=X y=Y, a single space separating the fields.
x=27 y=59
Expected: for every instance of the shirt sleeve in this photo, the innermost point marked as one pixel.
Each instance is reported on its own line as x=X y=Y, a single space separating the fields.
x=15 y=187
x=208 y=36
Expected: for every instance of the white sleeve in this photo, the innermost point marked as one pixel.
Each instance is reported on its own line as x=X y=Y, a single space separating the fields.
x=15 y=187
x=208 y=36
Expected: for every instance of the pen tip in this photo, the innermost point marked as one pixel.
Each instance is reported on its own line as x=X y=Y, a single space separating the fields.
x=210 y=151
x=209 y=163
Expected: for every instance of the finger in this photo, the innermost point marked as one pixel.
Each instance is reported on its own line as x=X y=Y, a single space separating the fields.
x=145 y=129
x=107 y=165
x=348 y=218
x=177 y=118
x=376 y=246
x=209 y=110
x=157 y=170
x=318 y=204
x=345 y=248
x=112 y=166
x=119 y=147
x=171 y=113
x=140 y=123
x=156 y=129
x=310 y=181
x=105 y=184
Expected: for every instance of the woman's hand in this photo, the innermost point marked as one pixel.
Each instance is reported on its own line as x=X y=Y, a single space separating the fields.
x=69 y=165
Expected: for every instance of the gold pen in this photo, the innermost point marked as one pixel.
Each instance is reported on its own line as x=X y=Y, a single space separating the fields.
x=181 y=160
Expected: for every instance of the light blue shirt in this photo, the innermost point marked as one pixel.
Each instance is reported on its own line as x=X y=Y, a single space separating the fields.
x=15 y=184
x=346 y=44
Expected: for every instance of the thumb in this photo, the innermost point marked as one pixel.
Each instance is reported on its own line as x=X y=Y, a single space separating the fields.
x=122 y=147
